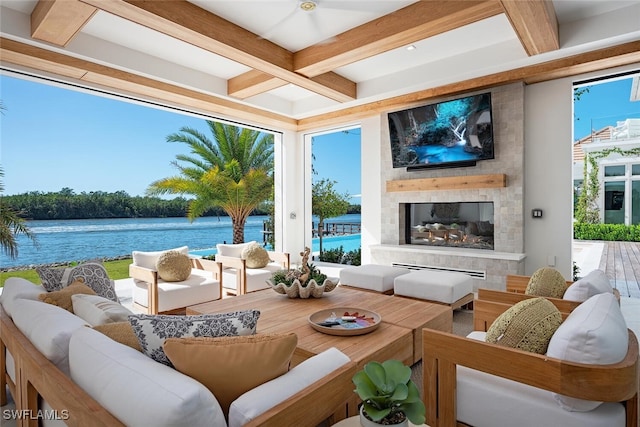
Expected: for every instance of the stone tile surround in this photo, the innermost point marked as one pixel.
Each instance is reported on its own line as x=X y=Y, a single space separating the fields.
x=507 y=256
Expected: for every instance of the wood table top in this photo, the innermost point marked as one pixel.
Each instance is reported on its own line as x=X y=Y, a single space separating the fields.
x=393 y=339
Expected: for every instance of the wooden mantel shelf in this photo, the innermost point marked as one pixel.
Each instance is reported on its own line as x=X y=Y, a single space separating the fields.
x=449 y=183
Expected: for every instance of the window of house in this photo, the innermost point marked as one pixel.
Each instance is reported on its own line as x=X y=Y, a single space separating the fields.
x=614 y=170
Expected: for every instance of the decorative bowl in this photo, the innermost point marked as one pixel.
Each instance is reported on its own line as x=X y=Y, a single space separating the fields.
x=311 y=290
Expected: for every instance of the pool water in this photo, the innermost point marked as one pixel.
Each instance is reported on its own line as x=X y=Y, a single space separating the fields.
x=349 y=242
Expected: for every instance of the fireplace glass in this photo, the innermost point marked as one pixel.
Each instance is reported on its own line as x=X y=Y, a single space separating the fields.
x=461 y=225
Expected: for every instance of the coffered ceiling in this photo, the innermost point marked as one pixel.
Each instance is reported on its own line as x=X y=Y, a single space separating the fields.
x=275 y=61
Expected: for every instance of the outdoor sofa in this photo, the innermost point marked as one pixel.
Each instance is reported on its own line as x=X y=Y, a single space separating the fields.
x=56 y=366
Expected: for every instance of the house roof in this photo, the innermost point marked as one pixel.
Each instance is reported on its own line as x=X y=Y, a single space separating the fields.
x=271 y=62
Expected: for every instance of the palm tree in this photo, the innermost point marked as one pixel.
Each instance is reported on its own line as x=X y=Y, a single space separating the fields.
x=232 y=171
x=11 y=225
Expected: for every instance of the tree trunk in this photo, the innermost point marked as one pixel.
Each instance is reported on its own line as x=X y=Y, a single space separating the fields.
x=238 y=230
x=320 y=233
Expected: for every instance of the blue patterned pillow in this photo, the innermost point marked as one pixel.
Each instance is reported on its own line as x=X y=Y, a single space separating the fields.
x=153 y=330
x=93 y=275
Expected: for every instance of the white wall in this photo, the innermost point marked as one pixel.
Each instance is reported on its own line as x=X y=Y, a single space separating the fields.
x=548 y=171
x=547 y=178
x=372 y=185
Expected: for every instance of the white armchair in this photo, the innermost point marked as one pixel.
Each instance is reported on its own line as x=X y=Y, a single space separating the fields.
x=237 y=277
x=154 y=295
x=470 y=381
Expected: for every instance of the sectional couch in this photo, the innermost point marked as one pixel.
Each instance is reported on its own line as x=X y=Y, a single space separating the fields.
x=61 y=371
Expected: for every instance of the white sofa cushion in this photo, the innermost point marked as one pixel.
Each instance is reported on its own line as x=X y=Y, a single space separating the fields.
x=477 y=391
x=18 y=288
x=257 y=401
x=96 y=310
x=49 y=329
x=594 y=283
x=137 y=390
x=198 y=288
x=485 y=400
x=595 y=333
x=149 y=259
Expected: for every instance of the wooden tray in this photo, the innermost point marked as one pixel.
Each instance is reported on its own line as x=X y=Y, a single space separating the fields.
x=367 y=321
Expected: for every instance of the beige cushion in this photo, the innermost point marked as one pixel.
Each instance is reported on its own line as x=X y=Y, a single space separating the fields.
x=546 y=282
x=255 y=256
x=527 y=325
x=231 y=366
x=62 y=298
x=173 y=266
x=97 y=310
x=121 y=332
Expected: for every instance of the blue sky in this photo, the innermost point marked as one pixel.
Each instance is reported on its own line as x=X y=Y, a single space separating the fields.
x=52 y=138
x=604 y=104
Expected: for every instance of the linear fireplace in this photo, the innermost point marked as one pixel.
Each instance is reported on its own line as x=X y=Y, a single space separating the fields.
x=460 y=224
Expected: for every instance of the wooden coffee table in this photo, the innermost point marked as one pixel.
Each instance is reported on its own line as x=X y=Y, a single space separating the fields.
x=399 y=335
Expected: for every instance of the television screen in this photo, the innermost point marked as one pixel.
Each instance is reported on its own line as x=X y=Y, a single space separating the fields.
x=447 y=134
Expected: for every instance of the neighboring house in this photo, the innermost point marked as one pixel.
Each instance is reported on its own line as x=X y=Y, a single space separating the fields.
x=617 y=153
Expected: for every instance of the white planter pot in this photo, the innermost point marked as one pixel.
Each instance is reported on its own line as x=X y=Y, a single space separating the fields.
x=365 y=422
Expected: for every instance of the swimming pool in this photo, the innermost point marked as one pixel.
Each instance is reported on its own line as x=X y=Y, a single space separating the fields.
x=349 y=242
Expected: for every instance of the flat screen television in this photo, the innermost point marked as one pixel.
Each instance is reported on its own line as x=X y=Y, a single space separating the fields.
x=446 y=134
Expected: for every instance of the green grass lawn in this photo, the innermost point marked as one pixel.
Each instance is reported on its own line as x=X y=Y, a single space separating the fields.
x=116 y=269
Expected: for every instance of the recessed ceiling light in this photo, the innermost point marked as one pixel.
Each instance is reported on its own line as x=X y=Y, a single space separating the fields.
x=308 y=5
x=411 y=47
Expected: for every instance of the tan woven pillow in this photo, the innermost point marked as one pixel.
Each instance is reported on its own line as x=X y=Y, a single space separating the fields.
x=121 y=332
x=62 y=298
x=255 y=256
x=231 y=366
x=173 y=266
x=546 y=282
x=528 y=325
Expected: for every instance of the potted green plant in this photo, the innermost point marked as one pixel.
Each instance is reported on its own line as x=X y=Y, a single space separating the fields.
x=389 y=397
x=303 y=282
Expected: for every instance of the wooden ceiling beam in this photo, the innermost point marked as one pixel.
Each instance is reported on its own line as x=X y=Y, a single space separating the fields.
x=535 y=23
x=403 y=27
x=187 y=22
x=408 y=25
x=118 y=81
x=58 y=21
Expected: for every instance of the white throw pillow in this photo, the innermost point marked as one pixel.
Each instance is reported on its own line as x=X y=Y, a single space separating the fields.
x=16 y=288
x=233 y=250
x=594 y=283
x=595 y=333
x=97 y=310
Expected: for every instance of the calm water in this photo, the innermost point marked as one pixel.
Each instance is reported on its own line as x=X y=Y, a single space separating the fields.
x=76 y=240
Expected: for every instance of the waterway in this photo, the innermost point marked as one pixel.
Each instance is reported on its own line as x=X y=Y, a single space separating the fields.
x=78 y=240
